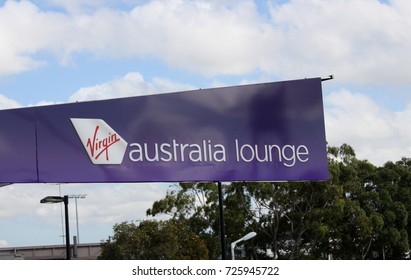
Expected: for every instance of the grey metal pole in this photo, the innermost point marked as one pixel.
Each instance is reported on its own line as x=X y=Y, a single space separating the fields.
x=232 y=251
x=78 y=234
x=77 y=196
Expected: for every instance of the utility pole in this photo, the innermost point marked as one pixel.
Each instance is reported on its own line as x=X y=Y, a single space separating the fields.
x=76 y=196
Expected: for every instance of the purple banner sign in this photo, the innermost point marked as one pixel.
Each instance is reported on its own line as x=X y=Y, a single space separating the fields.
x=261 y=132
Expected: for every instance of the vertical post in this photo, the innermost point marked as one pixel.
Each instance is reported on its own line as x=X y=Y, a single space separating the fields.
x=232 y=251
x=68 y=255
x=78 y=234
x=222 y=223
x=61 y=217
x=75 y=247
x=77 y=196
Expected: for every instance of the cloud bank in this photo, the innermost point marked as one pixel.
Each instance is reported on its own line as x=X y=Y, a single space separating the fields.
x=363 y=42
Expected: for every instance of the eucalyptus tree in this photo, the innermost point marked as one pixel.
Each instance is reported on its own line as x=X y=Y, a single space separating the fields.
x=361 y=212
x=153 y=240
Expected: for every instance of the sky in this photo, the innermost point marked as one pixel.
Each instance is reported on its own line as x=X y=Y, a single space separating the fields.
x=58 y=51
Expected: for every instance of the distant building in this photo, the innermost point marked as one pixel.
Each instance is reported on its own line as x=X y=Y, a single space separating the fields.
x=88 y=251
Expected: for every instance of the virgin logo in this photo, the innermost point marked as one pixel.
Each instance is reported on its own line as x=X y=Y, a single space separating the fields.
x=103 y=145
x=97 y=147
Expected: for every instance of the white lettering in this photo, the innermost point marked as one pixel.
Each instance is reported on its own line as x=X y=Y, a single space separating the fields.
x=166 y=152
x=288 y=155
x=304 y=153
x=138 y=151
x=195 y=155
x=155 y=153
x=219 y=154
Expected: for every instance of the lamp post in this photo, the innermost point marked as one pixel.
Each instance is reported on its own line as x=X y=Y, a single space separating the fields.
x=58 y=199
x=244 y=238
x=76 y=196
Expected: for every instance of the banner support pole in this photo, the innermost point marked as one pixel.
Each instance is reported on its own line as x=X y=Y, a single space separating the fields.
x=222 y=223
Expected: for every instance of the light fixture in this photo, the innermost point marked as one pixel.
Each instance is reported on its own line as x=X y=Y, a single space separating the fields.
x=244 y=238
x=59 y=199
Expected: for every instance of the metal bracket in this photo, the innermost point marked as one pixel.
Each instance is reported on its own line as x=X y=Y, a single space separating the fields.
x=329 y=77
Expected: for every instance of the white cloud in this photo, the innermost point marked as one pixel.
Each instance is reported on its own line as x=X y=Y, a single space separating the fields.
x=131 y=84
x=24 y=30
x=358 y=41
x=104 y=203
x=7 y=103
x=360 y=114
x=376 y=134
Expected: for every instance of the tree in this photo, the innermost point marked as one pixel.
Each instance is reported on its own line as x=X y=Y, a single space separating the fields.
x=153 y=240
x=195 y=205
x=359 y=222
x=361 y=212
x=392 y=184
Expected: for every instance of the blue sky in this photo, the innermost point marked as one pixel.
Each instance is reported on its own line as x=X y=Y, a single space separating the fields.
x=56 y=51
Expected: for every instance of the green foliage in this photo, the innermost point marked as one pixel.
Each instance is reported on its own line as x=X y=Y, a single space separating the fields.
x=196 y=205
x=153 y=240
x=361 y=212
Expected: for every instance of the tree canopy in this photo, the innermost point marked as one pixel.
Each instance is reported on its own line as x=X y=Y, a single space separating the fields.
x=361 y=212
x=153 y=240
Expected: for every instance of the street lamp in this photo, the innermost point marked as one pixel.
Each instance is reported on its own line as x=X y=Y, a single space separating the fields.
x=58 y=199
x=244 y=238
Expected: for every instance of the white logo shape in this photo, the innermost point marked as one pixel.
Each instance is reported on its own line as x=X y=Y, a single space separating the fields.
x=103 y=145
